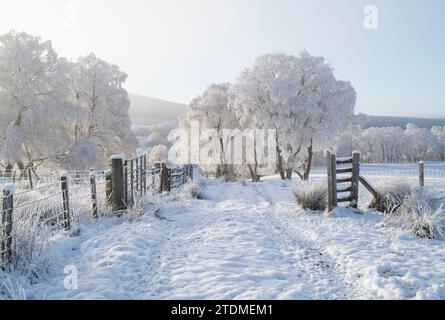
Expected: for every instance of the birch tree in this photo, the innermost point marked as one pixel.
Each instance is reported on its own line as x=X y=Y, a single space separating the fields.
x=212 y=112
x=32 y=101
x=104 y=104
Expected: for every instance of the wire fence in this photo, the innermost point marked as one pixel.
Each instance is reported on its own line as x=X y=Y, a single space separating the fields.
x=63 y=198
x=429 y=173
x=30 y=180
x=389 y=170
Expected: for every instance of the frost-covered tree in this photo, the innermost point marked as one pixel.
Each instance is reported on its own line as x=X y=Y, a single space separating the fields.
x=103 y=108
x=212 y=112
x=328 y=105
x=420 y=142
x=158 y=153
x=300 y=98
x=54 y=111
x=33 y=104
x=439 y=143
x=398 y=145
x=383 y=144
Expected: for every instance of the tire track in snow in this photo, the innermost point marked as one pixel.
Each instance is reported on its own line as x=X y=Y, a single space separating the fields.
x=313 y=260
x=315 y=272
x=232 y=247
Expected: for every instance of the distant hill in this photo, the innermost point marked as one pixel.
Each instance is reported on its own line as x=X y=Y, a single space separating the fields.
x=146 y=111
x=385 y=121
x=147 y=108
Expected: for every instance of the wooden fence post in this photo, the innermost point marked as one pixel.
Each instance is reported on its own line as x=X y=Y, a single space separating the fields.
x=153 y=180
x=355 y=178
x=117 y=182
x=158 y=171
x=29 y=172
x=132 y=180
x=145 y=174
x=168 y=180
x=422 y=174
x=141 y=175
x=165 y=185
x=126 y=184
x=162 y=176
x=137 y=175
x=66 y=201
x=108 y=186
x=184 y=174
x=93 y=192
x=332 y=180
x=6 y=223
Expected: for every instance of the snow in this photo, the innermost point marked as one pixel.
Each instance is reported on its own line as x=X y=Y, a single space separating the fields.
x=244 y=241
x=117 y=157
x=9 y=188
x=93 y=174
x=64 y=174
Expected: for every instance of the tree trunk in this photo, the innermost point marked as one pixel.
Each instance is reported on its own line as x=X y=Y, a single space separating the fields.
x=289 y=172
x=253 y=173
x=223 y=167
x=310 y=155
x=280 y=164
x=280 y=167
x=231 y=173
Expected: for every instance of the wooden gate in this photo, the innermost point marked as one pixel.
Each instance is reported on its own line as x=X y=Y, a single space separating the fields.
x=344 y=172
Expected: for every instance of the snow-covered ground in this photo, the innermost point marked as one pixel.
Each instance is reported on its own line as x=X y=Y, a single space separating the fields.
x=244 y=241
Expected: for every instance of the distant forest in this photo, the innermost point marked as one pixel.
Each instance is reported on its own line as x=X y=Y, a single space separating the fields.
x=384 y=121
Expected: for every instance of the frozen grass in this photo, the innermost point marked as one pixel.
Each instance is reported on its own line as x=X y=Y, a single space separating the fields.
x=192 y=189
x=422 y=213
x=141 y=206
x=11 y=289
x=392 y=192
x=38 y=215
x=136 y=211
x=30 y=237
x=311 y=195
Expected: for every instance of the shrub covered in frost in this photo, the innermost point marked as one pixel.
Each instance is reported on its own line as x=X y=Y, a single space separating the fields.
x=192 y=189
x=136 y=210
x=422 y=213
x=311 y=195
x=392 y=192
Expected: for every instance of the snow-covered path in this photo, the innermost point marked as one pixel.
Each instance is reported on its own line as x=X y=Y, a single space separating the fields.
x=237 y=249
x=246 y=242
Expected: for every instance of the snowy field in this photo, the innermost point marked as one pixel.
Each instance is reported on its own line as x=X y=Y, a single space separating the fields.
x=244 y=241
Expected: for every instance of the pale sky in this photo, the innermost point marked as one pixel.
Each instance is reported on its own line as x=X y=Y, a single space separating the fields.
x=172 y=49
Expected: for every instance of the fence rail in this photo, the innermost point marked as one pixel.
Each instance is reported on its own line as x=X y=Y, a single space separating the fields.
x=29 y=180
x=76 y=195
